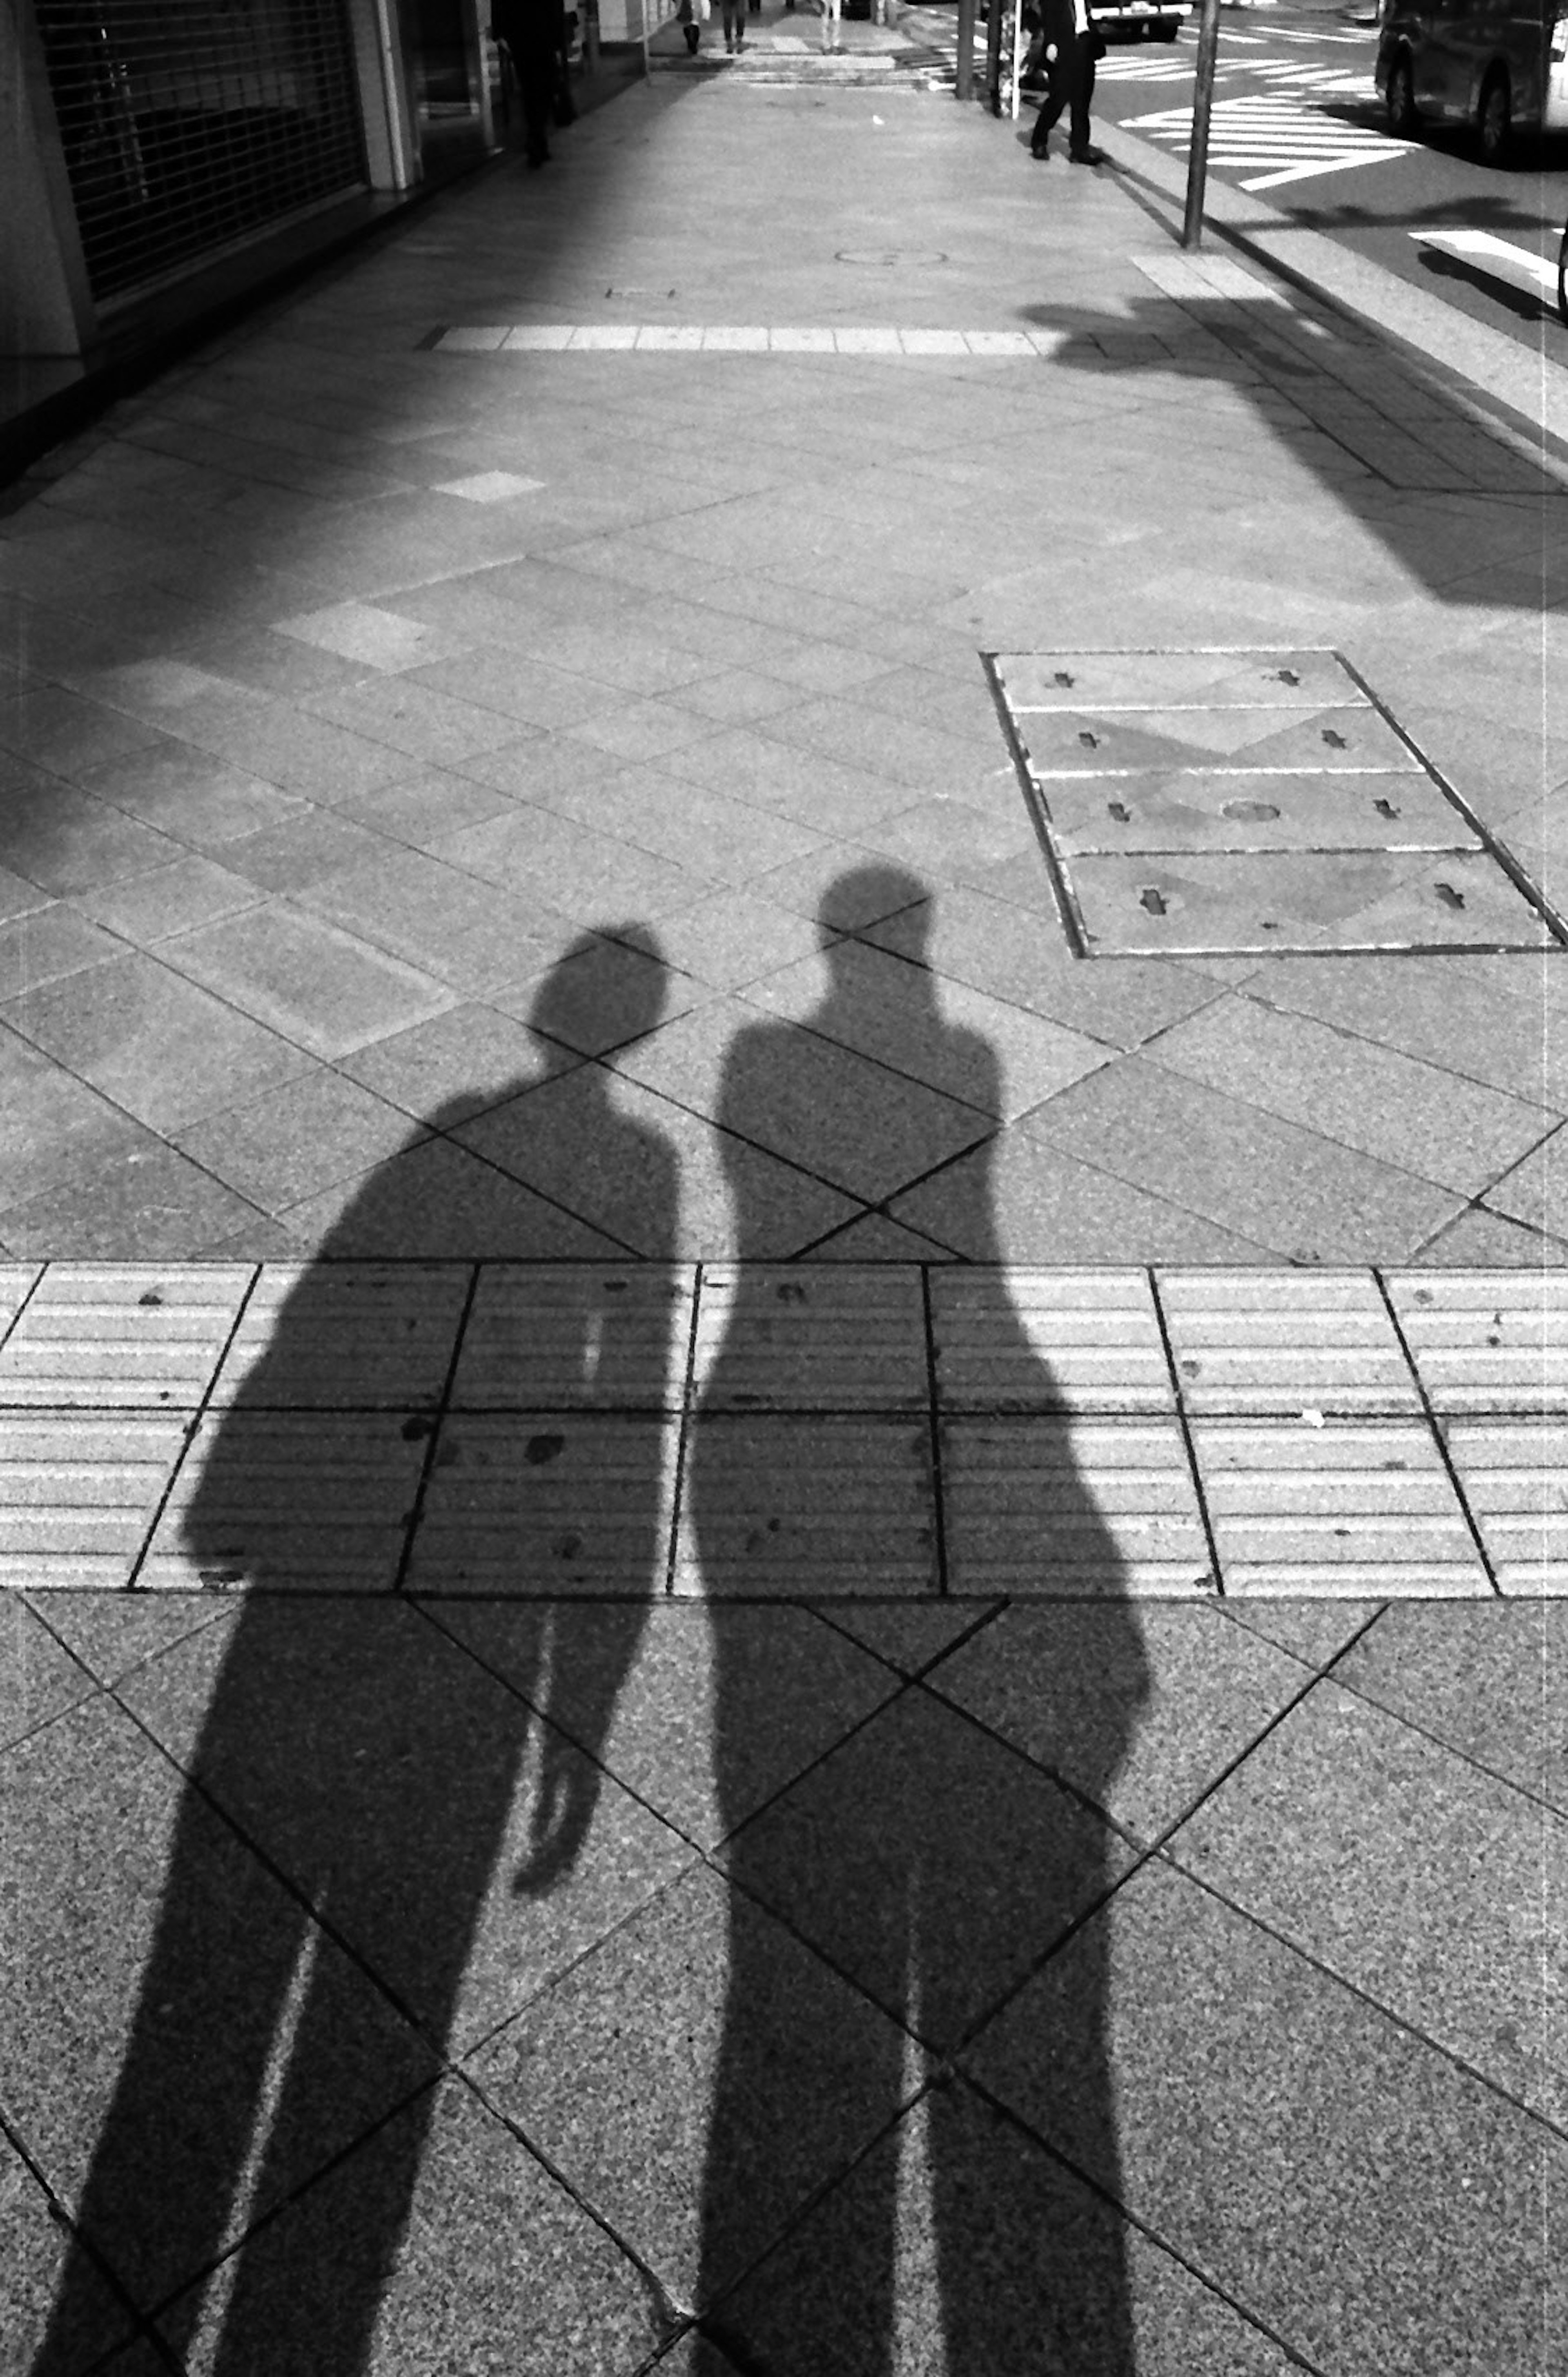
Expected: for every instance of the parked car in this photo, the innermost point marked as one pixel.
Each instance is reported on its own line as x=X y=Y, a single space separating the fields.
x=1500 y=65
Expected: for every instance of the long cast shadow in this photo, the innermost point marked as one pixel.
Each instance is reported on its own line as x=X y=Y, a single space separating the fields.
x=932 y=1865
x=383 y=1779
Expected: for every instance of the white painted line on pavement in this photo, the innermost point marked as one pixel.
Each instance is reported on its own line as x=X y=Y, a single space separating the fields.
x=1499 y=258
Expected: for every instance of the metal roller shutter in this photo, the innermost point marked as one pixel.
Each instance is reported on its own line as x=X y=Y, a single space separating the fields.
x=188 y=124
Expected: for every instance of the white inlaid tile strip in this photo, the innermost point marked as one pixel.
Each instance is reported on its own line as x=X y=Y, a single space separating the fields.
x=1039 y=1340
x=1297 y=1342
x=1485 y=1341
x=740 y=338
x=821 y=1337
x=121 y=1337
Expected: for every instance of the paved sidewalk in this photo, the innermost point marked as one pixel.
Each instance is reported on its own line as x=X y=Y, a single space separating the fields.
x=782 y=1557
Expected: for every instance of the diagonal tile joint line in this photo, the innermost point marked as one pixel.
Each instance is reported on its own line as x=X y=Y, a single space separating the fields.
x=986 y=1430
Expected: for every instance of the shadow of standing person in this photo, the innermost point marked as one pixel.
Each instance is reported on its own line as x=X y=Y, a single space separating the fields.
x=934 y=1865
x=405 y=1814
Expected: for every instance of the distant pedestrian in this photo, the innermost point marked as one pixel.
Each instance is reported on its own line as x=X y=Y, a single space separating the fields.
x=691 y=16
x=735 y=24
x=1072 y=44
x=534 y=32
x=830 y=25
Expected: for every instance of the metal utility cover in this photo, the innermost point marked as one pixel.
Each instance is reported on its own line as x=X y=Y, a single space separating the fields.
x=1243 y=802
x=1182 y=812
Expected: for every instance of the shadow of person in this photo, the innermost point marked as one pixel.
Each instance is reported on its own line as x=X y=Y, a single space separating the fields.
x=397 y=1816
x=933 y=1866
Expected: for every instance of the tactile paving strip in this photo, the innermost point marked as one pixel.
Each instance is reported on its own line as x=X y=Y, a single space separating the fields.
x=122 y=1336
x=576 y=1336
x=1350 y=1509
x=1486 y=1341
x=788 y=1337
x=1149 y=776
x=325 y=1335
x=791 y=1504
x=1246 y=1343
x=77 y=1494
x=1515 y=1475
x=546 y=1503
x=16 y=1281
x=307 y=1502
x=1036 y=1339
x=1071 y=1507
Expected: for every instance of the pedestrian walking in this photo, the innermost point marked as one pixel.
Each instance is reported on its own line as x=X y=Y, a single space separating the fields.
x=735 y=24
x=534 y=32
x=830 y=25
x=691 y=16
x=1073 y=44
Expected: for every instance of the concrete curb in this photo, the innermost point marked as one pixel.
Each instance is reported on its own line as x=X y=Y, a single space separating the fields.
x=1524 y=391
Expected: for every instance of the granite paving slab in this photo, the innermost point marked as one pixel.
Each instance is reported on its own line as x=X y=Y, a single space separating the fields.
x=112 y=1633
x=39 y=1678
x=909 y=1634
x=441 y=2242
x=153 y=1959
x=1374 y=1903
x=437 y=1202
x=702 y=2031
x=959 y=2239
x=929 y=1862
x=320 y=987
x=33 y=2249
x=1272 y=2125
x=1488 y=1682
x=1140 y=1709
x=466 y=1852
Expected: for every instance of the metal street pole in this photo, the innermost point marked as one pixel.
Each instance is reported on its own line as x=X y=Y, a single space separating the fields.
x=965 y=84
x=993 y=56
x=1202 y=99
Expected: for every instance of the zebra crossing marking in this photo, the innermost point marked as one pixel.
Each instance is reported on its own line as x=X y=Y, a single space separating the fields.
x=1276 y=130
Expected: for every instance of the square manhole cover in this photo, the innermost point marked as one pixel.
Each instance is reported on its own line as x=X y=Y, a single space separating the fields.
x=1233 y=803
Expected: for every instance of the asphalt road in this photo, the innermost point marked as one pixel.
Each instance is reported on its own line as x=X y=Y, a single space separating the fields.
x=1297 y=120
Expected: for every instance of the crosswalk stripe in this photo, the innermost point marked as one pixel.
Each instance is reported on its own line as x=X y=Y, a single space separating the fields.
x=1498 y=257
x=1277 y=129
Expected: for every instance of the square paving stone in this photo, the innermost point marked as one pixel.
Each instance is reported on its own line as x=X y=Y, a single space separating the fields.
x=805 y=785
x=732 y=939
x=320 y=987
x=435 y=1202
x=807 y=1507
x=1139 y=1710
x=1419 y=1117
x=289 y=1503
x=974 y=1048
x=455 y=1066
x=191 y=795
x=110 y=1632
x=39 y=1677
x=603 y=993
x=589 y=877
x=576 y=1337
x=280 y=1148
x=1513 y=1475
x=1019 y=1200
x=1488 y=1681
x=1269 y=1181
x=464 y=1851
x=1034 y=1340
x=152 y=1206
x=910 y=1634
x=366 y=1336
x=1271 y=2125
x=152 y=1966
x=46 y=942
x=929 y=1862
x=803 y=1337
x=703 y=1714
x=957 y=2237
x=34 y=2247
x=164 y=1049
x=1486 y=1341
x=442 y=2242
x=1447 y=1910
x=1071 y=1508
x=121 y=1335
x=1536 y=1191
x=692 y=825
x=78 y=1493
x=697 y=2080
x=1284 y=1341
x=1345 y=1508
x=464 y=932
x=147 y=908
x=542 y=1504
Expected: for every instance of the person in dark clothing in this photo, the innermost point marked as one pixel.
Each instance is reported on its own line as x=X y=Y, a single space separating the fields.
x=1072 y=45
x=535 y=34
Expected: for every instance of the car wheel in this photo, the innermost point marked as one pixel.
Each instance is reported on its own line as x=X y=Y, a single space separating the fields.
x=1402 y=121
x=1496 y=118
